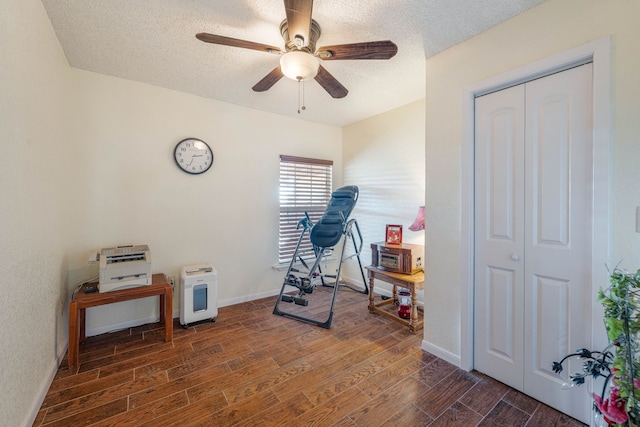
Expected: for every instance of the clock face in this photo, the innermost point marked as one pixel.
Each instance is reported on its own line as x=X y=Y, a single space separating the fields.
x=193 y=156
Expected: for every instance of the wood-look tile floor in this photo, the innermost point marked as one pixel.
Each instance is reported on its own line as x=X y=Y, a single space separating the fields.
x=254 y=368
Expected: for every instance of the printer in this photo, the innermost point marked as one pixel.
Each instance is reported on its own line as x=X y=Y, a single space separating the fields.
x=124 y=267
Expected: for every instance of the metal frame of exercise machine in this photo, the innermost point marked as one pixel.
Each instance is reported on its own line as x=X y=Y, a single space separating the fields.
x=333 y=227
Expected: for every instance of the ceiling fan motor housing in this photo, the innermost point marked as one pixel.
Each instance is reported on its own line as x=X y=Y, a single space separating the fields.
x=308 y=46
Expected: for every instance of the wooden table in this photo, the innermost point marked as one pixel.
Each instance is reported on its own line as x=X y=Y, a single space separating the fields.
x=413 y=282
x=81 y=301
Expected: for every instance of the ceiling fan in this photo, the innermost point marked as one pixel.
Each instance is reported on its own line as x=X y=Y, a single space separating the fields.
x=300 y=59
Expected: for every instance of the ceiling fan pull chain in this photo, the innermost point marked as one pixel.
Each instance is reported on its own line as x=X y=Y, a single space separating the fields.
x=301 y=106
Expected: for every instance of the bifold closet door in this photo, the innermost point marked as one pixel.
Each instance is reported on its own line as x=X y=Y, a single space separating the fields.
x=499 y=236
x=533 y=241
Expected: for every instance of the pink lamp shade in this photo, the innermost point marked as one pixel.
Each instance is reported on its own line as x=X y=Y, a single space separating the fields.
x=418 y=223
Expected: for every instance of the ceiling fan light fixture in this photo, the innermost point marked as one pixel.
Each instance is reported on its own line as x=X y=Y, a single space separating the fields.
x=299 y=66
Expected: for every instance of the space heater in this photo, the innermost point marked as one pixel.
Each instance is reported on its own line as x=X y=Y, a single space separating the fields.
x=198 y=294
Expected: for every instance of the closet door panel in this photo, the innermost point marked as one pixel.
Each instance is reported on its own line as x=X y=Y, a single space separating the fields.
x=558 y=230
x=499 y=237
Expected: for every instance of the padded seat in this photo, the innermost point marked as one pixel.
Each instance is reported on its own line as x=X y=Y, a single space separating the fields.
x=327 y=232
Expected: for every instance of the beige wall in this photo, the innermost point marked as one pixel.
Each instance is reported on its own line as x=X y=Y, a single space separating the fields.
x=135 y=193
x=552 y=27
x=87 y=163
x=384 y=157
x=34 y=201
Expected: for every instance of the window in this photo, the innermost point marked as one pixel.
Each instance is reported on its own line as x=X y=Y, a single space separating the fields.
x=305 y=186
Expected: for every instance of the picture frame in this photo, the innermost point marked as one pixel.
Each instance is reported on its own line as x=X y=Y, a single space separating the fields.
x=394 y=234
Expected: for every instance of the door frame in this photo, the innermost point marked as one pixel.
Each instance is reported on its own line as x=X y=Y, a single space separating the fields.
x=599 y=53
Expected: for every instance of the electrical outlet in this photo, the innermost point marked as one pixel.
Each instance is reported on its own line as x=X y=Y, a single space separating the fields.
x=172 y=280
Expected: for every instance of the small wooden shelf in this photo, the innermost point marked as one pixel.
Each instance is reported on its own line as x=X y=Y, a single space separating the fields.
x=81 y=301
x=413 y=282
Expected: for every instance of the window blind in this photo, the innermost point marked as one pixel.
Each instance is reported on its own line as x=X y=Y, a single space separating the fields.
x=305 y=186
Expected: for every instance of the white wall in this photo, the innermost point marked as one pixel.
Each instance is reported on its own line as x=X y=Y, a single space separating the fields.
x=550 y=28
x=227 y=216
x=384 y=157
x=34 y=226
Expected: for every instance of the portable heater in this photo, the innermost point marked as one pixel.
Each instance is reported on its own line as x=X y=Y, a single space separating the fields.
x=198 y=294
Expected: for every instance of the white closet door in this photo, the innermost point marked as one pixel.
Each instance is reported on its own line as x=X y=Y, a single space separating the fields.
x=499 y=236
x=533 y=247
x=558 y=193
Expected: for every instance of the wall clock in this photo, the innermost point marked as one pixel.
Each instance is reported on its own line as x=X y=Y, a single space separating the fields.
x=193 y=156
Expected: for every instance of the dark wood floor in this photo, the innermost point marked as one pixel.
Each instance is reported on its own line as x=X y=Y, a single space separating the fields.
x=253 y=368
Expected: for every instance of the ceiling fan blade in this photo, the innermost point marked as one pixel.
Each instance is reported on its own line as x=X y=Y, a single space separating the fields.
x=299 y=19
x=384 y=49
x=330 y=84
x=268 y=80
x=229 y=41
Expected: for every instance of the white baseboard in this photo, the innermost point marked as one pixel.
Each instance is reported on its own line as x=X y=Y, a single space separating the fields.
x=245 y=298
x=443 y=354
x=44 y=388
x=123 y=325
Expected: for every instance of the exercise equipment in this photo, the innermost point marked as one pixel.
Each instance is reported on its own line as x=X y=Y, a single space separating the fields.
x=304 y=272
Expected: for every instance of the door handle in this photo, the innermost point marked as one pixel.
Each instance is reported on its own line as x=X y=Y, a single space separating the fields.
x=515 y=257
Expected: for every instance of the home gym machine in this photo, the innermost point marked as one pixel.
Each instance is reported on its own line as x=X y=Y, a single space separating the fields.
x=334 y=226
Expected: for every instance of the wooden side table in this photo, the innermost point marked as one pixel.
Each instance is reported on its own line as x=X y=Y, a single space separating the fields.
x=413 y=282
x=81 y=301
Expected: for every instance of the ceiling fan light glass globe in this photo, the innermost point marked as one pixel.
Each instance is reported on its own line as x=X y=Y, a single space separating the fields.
x=299 y=66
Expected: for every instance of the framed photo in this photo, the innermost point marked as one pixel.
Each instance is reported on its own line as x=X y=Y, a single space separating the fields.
x=394 y=234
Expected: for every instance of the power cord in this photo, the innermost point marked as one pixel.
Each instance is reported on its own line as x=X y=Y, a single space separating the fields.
x=79 y=286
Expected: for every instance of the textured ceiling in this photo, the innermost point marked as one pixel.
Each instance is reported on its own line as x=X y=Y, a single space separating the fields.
x=153 y=41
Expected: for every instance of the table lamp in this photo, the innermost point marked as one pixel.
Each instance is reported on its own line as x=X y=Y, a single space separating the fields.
x=418 y=223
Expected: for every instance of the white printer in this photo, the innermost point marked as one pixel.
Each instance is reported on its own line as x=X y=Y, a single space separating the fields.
x=124 y=267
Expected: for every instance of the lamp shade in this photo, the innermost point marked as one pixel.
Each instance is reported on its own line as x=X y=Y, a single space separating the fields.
x=299 y=66
x=418 y=223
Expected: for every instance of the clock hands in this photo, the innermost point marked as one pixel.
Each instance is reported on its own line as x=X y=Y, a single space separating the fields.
x=193 y=158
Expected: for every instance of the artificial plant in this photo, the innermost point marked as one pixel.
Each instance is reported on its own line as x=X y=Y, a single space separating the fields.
x=618 y=404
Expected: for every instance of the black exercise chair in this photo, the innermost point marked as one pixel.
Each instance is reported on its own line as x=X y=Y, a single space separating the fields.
x=324 y=235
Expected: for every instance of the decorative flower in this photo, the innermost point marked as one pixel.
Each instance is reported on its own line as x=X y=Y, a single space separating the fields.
x=612 y=409
x=556 y=367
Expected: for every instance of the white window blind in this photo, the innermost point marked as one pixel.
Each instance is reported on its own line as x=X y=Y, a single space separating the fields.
x=305 y=186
